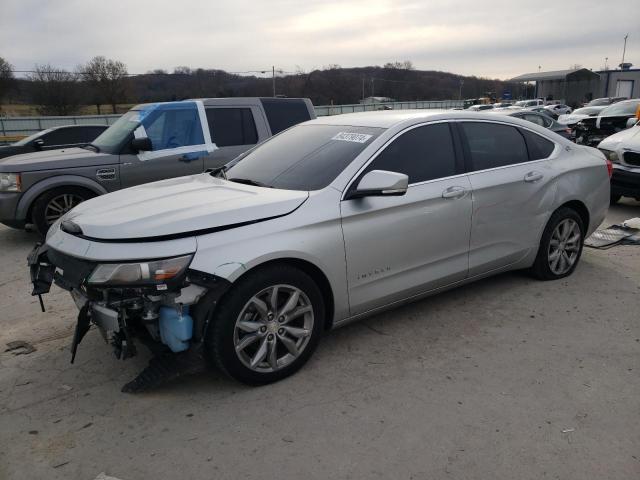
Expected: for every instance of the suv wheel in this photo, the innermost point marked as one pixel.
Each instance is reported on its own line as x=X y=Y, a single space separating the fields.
x=267 y=326
x=560 y=246
x=51 y=205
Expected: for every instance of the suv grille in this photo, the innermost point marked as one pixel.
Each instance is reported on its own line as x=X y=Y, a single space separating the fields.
x=632 y=158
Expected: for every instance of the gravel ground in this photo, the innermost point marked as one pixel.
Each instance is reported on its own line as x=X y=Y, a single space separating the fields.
x=507 y=378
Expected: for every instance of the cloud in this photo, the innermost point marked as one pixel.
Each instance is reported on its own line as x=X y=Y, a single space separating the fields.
x=493 y=38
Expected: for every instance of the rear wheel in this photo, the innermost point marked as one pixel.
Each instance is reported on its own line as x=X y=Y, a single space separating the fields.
x=51 y=205
x=267 y=326
x=560 y=246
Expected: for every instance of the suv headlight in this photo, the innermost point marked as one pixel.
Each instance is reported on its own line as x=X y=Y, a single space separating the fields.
x=10 y=182
x=154 y=272
x=610 y=155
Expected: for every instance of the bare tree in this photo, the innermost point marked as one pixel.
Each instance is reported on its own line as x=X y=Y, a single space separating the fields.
x=107 y=79
x=55 y=91
x=6 y=78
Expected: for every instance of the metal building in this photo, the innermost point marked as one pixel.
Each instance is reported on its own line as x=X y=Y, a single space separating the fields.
x=573 y=87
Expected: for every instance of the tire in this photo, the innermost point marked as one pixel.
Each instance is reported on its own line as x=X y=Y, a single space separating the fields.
x=57 y=200
x=614 y=199
x=543 y=267
x=259 y=331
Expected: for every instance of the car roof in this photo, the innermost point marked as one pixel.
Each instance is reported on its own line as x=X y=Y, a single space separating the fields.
x=392 y=118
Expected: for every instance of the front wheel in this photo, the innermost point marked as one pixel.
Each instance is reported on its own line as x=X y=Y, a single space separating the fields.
x=51 y=205
x=267 y=326
x=560 y=246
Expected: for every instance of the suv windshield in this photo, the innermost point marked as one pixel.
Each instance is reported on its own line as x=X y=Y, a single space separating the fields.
x=304 y=157
x=111 y=139
x=622 y=108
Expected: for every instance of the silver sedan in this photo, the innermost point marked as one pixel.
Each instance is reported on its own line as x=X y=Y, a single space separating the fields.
x=328 y=222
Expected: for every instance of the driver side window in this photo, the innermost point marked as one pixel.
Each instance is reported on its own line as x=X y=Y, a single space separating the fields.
x=173 y=128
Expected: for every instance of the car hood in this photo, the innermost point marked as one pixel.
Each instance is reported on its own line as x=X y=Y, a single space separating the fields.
x=629 y=138
x=179 y=207
x=55 y=159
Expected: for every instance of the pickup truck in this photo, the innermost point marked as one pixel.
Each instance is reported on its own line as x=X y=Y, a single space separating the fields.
x=148 y=143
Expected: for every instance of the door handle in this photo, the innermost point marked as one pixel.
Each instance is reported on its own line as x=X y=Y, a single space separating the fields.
x=532 y=177
x=185 y=158
x=454 y=192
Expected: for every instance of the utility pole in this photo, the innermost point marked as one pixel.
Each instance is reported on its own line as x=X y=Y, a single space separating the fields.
x=624 y=50
x=372 y=87
x=363 y=87
x=606 y=60
x=273 y=79
x=460 y=91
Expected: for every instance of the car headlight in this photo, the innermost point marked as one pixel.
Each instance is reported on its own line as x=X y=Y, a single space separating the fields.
x=154 y=272
x=10 y=182
x=610 y=155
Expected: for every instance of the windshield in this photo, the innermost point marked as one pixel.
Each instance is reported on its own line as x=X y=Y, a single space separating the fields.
x=30 y=138
x=305 y=157
x=586 y=111
x=599 y=102
x=111 y=139
x=622 y=108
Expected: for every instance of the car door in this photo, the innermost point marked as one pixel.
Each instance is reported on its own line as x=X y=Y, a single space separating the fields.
x=178 y=145
x=512 y=188
x=401 y=246
x=233 y=131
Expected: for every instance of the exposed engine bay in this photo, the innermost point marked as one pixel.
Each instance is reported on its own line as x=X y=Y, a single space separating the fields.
x=157 y=302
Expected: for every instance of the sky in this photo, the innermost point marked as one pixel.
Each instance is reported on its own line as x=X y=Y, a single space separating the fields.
x=489 y=38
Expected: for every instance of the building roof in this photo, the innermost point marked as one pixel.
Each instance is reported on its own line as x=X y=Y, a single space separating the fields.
x=554 y=75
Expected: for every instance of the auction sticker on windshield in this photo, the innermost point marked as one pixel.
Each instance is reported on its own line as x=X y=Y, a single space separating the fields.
x=351 y=137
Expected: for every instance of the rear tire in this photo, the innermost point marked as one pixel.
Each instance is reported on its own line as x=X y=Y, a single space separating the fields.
x=560 y=246
x=258 y=337
x=54 y=203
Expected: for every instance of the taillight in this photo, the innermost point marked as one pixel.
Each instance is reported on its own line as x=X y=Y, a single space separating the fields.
x=609 y=167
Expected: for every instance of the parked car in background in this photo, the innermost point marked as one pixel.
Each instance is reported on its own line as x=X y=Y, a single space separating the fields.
x=502 y=105
x=541 y=119
x=479 y=108
x=604 y=101
x=623 y=150
x=612 y=119
x=54 y=138
x=544 y=111
x=333 y=220
x=150 y=142
x=558 y=109
x=578 y=114
x=537 y=102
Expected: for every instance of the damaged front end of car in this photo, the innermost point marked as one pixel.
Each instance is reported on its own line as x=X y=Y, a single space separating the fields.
x=159 y=302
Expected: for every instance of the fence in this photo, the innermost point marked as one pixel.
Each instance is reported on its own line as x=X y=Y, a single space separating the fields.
x=15 y=127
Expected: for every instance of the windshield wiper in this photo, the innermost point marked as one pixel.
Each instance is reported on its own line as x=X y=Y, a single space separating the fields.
x=248 y=181
x=92 y=147
x=218 y=172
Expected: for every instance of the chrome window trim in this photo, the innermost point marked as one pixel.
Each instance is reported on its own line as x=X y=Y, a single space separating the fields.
x=556 y=149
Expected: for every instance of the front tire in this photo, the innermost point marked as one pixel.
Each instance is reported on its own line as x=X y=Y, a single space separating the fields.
x=560 y=247
x=267 y=326
x=51 y=205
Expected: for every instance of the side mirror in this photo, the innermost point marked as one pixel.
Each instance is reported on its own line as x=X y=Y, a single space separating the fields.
x=142 y=144
x=631 y=122
x=38 y=144
x=380 y=183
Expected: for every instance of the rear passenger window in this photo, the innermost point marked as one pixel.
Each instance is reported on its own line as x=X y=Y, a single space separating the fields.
x=538 y=146
x=423 y=153
x=492 y=145
x=232 y=126
x=283 y=113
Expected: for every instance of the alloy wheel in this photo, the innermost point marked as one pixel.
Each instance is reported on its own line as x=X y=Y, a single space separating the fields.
x=564 y=246
x=273 y=328
x=60 y=205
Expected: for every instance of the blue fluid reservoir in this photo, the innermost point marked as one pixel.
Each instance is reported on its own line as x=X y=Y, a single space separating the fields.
x=176 y=328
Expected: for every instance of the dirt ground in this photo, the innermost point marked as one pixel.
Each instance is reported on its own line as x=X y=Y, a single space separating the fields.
x=508 y=378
